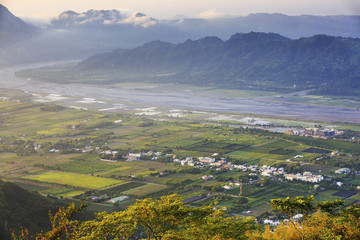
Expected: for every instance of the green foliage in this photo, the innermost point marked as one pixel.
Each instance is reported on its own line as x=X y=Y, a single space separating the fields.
x=289 y=207
x=330 y=207
x=283 y=151
x=320 y=225
x=349 y=147
x=190 y=170
x=166 y=218
x=52 y=108
x=292 y=206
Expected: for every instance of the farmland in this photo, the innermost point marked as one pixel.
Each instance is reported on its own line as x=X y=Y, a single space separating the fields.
x=75 y=180
x=69 y=153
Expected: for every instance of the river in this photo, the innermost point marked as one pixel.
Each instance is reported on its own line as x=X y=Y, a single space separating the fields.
x=170 y=96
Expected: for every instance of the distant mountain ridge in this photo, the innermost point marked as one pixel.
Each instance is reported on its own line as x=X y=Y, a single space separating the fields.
x=74 y=35
x=252 y=60
x=289 y=26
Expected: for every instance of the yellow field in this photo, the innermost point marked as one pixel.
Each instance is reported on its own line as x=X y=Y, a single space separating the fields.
x=76 y=180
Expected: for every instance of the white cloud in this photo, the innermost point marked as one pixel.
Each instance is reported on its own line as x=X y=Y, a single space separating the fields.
x=212 y=13
x=140 y=20
x=106 y=17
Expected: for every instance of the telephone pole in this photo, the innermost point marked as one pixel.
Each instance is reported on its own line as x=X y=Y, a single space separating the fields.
x=241 y=185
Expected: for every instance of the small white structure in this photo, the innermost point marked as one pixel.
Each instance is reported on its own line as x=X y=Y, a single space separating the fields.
x=339 y=184
x=133 y=157
x=118 y=199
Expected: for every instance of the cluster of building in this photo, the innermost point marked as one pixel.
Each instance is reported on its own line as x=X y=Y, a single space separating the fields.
x=265 y=170
x=231 y=185
x=207 y=177
x=137 y=156
x=343 y=171
x=213 y=163
x=268 y=171
x=322 y=133
x=107 y=198
x=305 y=176
x=6 y=99
x=271 y=222
x=314 y=132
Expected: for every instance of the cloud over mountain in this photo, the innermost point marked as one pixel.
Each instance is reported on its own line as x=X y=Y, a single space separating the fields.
x=211 y=14
x=102 y=17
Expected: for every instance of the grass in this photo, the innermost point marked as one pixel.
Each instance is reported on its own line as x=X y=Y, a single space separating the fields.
x=86 y=167
x=75 y=180
x=144 y=190
x=143 y=168
x=32 y=186
x=256 y=157
x=342 y=101
x=123 y=187
x=326 y=196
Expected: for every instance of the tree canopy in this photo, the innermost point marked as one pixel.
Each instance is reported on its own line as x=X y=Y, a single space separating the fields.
x=169 y=218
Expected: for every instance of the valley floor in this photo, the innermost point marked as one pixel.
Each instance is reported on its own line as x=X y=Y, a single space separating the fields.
x=296 y=105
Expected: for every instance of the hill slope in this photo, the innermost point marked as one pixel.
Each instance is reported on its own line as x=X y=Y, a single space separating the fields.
x=19 y=207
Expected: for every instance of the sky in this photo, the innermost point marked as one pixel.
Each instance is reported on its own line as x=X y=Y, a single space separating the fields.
x=163 y=9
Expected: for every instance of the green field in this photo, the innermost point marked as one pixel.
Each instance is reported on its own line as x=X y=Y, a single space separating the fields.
x=145 y=189
x=81 y=137
x=123 y=187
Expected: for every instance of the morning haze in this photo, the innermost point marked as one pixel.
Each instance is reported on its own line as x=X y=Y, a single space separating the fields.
x=179 y=120
x=163 y=9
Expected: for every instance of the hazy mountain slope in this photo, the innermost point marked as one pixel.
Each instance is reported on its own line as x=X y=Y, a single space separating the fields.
x=289 y=26
x=253 y=60
x=78 y=35
x=125 y=28
x=13 y=29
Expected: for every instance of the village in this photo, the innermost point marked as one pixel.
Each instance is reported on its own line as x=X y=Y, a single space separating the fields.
x=216 y=163
x=222 y=164
x=255 y=172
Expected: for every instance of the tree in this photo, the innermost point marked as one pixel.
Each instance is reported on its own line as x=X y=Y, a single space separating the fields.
x=290 y=207
x=166 y=218
x=60 y=224
x=320 y=221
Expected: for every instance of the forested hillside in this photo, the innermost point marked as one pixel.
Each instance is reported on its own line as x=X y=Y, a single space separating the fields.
x=250 y=61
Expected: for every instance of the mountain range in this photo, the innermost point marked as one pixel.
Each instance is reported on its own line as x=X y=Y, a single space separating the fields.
x=74 y=35
x=289 y=26
x=254 y=60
